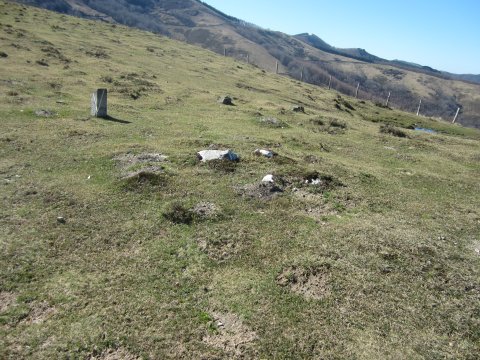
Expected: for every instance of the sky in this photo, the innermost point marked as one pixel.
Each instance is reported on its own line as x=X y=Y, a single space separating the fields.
x=443 y=34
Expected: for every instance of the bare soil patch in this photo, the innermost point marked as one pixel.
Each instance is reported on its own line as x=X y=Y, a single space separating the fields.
x=232 y=336
x=114 y=354
x=7 y=299
x=263 y=191
x=39 y=313
x=310 y=282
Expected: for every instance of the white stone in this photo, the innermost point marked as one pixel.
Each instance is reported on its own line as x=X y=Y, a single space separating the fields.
x=208 y=155
x=268 y=178
x=263 y=152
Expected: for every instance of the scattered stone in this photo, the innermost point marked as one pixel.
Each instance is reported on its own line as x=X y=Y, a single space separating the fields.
x=272 y=122
x=44 y=113
x=61 y=220
x=209 y=155
x=322 y=182
x=298 y=109
x=310 y=282
x=268 y=179
x=262 y=152
x=3 y=54
x=226 y=100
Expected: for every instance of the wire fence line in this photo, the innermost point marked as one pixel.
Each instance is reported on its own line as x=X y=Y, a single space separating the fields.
x=394 y=97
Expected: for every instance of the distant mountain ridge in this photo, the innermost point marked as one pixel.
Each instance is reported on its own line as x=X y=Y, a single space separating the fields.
x=301 y=56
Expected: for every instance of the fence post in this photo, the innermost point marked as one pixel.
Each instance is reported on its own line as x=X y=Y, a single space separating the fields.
x=456 y=115
x=224 y=51
x=419 y=106
x=248 y=58
x=301 y=75
x=276 y=67
x=356 y=91
x=388 y=98
x=329 y=82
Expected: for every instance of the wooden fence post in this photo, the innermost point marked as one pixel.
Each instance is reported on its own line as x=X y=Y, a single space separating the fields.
x=301 y=75
x=276 y=67
x=224 y=51
x=456 y=115
x=356 y=91
x=330 y=82
x=248 y=58
x=419 y=106
x=388 y=98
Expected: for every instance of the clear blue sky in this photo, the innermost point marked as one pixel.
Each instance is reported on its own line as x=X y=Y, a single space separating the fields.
x=443 y=34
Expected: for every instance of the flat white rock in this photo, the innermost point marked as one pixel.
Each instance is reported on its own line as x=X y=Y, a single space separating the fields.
x=208 y=155
x=268 y=178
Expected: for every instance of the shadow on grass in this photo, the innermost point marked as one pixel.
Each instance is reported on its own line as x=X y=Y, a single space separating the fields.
x=111 y=118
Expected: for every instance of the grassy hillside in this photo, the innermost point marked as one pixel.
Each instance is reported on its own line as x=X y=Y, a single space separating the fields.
x=366 y=247
x=196 y=22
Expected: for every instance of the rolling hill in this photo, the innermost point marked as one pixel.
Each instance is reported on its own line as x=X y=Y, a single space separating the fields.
x=198 y=23
x=117 y=242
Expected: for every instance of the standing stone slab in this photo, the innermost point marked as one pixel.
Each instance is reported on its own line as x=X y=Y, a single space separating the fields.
x=99 y=103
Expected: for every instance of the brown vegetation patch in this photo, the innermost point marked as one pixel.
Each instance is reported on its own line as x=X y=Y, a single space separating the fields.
x=310 y=282
x=129 y=160
x=6 y=300
x=114 y=354
x=39 y=313
x=205 y=210
x=146 y=176
x=232 y=336
x=392 y=130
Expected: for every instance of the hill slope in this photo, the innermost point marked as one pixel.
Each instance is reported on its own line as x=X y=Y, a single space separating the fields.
x=366 y=247
x=198 y=23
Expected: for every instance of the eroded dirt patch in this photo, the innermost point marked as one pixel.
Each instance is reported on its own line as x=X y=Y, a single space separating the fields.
x=114 y=354
x=128 y=160
x=310 y=282
x=39 y=313
x=262 y=190
x=232 y=336
x=205 y=210
x=224 y=242
x=7 y=299
x=139 y=170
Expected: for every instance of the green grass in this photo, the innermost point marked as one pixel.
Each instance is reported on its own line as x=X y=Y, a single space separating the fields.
x=397 y=239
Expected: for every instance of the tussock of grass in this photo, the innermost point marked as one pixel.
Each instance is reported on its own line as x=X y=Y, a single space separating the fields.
x=391 y=130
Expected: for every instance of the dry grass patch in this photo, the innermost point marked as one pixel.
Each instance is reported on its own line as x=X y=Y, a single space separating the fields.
x=232 y=336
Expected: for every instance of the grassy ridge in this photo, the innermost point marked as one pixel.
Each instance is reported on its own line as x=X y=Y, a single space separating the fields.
x=381 y=264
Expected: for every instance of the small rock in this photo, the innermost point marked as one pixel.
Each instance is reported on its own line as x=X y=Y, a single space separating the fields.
x=208 y=155
x=226 y=100
x=61 y=220
x=268 y=179
x=267 y=153
x=44 y=113
x=298 y=108
x=3 y=54
x=271 y=121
